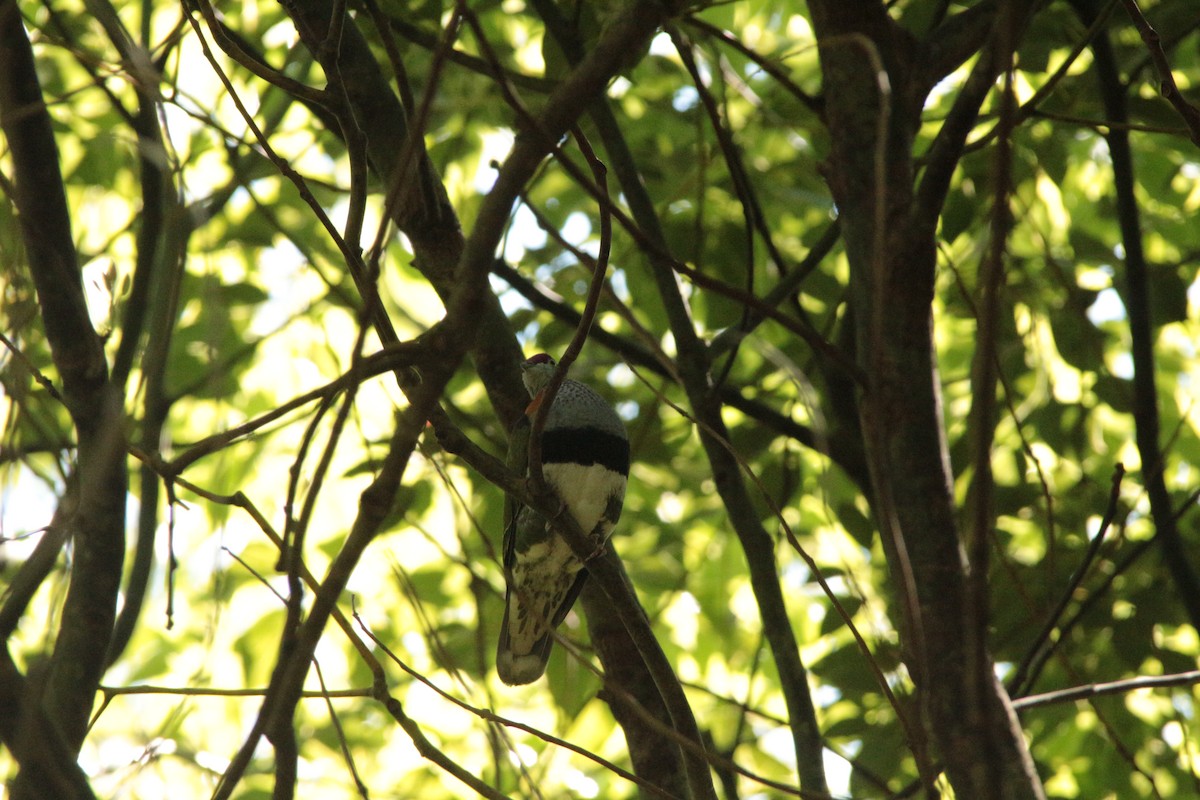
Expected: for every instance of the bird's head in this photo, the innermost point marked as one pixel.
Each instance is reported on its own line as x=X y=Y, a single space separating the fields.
x=536 y=372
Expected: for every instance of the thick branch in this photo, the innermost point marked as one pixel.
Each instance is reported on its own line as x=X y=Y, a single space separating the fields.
x=434 y=231
x=48 y=767
x=980 y=503
x=93 y=403
x=874 y=89
x=46 y=222
x=650 y=677
x=162 y=236
x=445 y=346
x=693 y=363
x=1141 y=331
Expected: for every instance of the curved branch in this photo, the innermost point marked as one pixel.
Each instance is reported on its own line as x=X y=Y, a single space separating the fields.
x=1141 y=331
x=445 y=345
x=1166 y=79
x=48 y=767
x=693 y=369
x=1102 y=689
x=874 y=112
x=813 y=104
x=606 y=572
x=91 y=399
x=161 y=243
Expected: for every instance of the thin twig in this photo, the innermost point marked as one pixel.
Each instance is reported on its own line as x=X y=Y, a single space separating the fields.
x=599 y=269
x=203 y=691
x=341 y=733
x=1043 y=644
x=982 y=415
x=37 y=374
x=278 y=161
x=767 y=65
x=1102 y=689
x=790 y=535
x=489 y=716
x=1166 y=86
x=414 y=144
x=232 y=47
x=1029 y=108
x=387 y=360
x=493 y=718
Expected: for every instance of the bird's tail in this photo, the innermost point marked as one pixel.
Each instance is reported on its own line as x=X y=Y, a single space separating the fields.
x=521 y=654
x=526 y=634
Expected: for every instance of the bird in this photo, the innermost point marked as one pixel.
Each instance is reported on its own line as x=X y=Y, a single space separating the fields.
x=585 y=460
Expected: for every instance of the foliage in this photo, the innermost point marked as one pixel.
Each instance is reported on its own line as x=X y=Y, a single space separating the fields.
x=261 y=398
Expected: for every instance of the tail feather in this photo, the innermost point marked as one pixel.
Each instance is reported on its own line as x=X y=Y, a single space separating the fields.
x=522 y=660
x=525 y=642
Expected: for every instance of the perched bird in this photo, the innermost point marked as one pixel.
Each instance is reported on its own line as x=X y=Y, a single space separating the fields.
x=585 y=459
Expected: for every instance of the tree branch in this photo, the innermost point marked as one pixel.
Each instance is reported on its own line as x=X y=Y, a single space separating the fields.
x=1102 y=689
x=980 y=503
x=48 y=767
x=1027 y=672
x=584 y=326
x=1166 y=79
x=873 y=107
x=93 y=402
x=756 y=543
x=1141 y=330
x=693 y=363
x=445 y=345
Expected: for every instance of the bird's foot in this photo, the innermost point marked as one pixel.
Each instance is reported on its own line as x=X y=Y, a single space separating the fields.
x=562 y=510
x=601 y=549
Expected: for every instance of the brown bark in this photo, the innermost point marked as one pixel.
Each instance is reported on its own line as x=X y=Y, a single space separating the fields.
x=60 y=705
x=874 y=90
